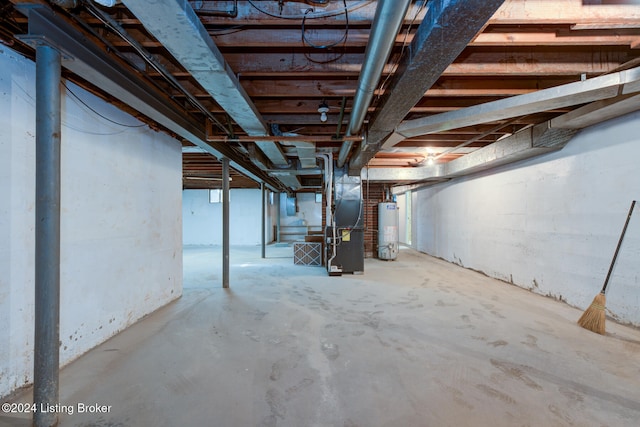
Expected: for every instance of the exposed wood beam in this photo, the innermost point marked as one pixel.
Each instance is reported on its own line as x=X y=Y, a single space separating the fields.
x=291 y=37
x=492 y=86
x=553 y=38
x=563 y=12
x=488 y=86
x=302 y=119
x=296 y=106
x=512 y=12
x=359 y=13
x=606 y=25
x=256 y=38
x=474 y=61
x=534 y=61
x=444 y=138
x=439 y=144
x=299 y=88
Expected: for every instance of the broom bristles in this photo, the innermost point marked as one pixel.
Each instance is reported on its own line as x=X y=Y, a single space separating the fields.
x=593 y=318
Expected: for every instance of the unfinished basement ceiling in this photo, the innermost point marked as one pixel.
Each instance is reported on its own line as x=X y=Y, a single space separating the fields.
x=245 y=79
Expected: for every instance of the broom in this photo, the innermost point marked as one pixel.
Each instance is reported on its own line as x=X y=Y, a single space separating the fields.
x=594 y=316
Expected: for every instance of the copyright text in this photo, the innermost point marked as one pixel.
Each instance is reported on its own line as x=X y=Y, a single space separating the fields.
x=78 y=408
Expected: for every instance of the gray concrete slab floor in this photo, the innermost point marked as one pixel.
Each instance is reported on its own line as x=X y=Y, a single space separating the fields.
x=413 y=342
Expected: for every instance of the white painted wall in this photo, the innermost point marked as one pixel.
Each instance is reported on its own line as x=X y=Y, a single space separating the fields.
x=309 y=211
x=549 y=224
x=203 y=220
x=121 y=242
x=272 y=216
x=401 y=201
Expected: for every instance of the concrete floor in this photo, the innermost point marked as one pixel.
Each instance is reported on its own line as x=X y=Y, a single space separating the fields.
x=415 y=342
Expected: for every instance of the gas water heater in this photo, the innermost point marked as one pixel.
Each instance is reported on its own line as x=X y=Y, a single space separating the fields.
x=387 y=230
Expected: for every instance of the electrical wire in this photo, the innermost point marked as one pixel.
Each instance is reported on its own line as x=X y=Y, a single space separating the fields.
x=343 y=39
x=117 y=29
x=97 y=113
x=89 y=132
x=32 y=102
x=226 y=31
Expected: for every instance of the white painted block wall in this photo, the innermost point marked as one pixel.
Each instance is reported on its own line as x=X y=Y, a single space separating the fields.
x=309 y=212
x=203 y=220
x=549 y=224
x=401 y=201
x=121 y=227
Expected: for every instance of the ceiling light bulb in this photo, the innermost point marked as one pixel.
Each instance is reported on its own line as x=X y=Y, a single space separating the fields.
x=323 y=109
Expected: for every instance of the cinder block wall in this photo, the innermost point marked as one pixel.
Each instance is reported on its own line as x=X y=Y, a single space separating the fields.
x=203 y=220
x=121 y=226
x=550 y=224
x=372 y=195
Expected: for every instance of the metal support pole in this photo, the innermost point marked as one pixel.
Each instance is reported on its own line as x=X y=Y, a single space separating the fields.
x=225 y=222
x=264 y=219
x=47 y=230
x=278 y=219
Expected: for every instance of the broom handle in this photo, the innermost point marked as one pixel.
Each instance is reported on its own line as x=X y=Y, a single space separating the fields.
x=615 y=255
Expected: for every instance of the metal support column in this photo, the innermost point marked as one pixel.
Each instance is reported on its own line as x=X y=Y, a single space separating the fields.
x=47 y=230
x=278 y=195
x=264 y=219
x=225 y=222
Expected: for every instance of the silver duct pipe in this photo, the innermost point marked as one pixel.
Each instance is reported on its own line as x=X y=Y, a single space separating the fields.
x=328 y=189
x=384 y=28
x=305 y=150
x=328 y=183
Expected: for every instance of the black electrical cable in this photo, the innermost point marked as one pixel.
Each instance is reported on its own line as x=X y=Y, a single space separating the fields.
x=327 y=46
x=226 y=31
x=115 y=27
x=96 y=112
x=342 y=40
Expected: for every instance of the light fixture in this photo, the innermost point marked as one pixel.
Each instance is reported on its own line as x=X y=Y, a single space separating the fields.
x=431 y=159
x=323 y=109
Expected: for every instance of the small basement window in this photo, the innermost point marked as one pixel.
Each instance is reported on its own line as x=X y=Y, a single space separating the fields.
x=215 y=196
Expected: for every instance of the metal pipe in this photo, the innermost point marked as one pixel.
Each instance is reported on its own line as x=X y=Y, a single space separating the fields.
x=47 y=230
x=264 y=219
x=384 y=29
x=278 y=220
x=329 y=222
x=341 y=117
x=225 y=222
x=328 y=184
